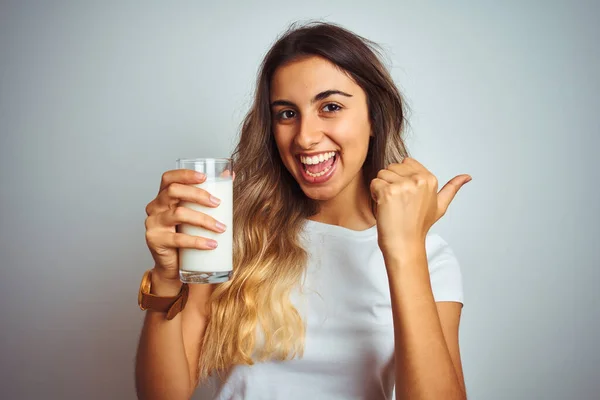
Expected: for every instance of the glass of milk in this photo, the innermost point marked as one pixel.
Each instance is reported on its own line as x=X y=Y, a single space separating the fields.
x=210 y=266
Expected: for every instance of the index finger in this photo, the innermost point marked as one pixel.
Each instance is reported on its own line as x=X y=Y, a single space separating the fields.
x=185 y=176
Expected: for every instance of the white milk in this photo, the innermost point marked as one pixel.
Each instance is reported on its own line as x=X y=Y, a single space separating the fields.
x=221 y=258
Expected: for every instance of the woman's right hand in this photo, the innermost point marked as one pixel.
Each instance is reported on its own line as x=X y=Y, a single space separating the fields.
x=165 y=213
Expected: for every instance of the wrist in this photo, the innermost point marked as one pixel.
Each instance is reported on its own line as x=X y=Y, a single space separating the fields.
x=164 y=287
x=403 y=250
x=404 y=255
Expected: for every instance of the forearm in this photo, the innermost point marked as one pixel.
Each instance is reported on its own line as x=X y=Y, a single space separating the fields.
x=162 y=370
x=424 y=368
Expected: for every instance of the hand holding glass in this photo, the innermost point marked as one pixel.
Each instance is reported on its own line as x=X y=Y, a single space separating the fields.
x=210 y=266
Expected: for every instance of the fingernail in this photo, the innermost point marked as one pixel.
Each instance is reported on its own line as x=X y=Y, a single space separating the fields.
x=211 y=244
x=214 y=200
x=220 y=226
x=199 y=175
x=469 y=180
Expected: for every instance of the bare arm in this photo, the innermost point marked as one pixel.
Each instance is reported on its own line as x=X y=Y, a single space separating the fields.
x=168 y=351
x=427 y=355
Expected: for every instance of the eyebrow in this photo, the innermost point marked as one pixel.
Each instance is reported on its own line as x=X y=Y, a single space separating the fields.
x=319 y=96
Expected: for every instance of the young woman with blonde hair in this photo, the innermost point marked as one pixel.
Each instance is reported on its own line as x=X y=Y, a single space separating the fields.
x=339 y=291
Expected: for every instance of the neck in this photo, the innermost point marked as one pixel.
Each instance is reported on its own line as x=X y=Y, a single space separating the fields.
x=351 y=208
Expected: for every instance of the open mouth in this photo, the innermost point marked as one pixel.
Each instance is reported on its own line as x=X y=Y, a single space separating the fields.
x=318 y=169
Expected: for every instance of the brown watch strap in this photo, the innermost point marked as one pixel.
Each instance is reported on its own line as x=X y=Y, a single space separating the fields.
x=171 y=305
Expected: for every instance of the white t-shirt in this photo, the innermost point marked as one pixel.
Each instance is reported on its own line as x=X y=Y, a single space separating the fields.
x=349 y=344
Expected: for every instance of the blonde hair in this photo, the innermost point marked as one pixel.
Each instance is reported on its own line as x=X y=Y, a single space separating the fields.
x=270 y=208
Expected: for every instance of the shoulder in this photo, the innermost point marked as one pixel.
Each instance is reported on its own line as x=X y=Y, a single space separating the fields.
x=444 y=269
x=438 y=250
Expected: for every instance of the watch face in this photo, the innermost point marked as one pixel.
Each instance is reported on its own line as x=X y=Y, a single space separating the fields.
x=144 y=288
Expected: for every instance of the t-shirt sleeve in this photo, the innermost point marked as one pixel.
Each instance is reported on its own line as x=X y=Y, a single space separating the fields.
x=444 y=270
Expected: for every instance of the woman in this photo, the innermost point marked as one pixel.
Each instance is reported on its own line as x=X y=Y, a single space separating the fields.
x=339 y=291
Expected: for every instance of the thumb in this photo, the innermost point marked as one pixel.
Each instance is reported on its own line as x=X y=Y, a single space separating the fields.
x=448 y=192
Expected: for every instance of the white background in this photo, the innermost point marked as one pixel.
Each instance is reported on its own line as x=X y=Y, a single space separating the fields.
x=98 y=99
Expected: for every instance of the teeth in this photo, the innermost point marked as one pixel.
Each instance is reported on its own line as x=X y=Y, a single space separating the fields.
x=319 y=173
x=316 y=159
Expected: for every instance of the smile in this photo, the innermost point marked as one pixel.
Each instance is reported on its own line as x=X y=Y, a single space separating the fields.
x=318 y=168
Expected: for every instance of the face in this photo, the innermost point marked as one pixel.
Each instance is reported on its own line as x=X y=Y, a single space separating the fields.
x=321 y=126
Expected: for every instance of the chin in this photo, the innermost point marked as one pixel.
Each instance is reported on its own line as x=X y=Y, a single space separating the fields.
x=320 y=194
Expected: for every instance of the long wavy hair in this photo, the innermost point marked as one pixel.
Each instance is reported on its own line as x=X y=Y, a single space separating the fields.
x=270 y=208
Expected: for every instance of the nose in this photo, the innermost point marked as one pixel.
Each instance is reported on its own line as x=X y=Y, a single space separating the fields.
x=309 y=133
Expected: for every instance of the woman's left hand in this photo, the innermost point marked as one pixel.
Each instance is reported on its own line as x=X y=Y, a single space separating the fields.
x=408 y=203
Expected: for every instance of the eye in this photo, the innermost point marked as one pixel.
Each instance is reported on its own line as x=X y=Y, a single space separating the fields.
x=331 y=107
x=286 y=114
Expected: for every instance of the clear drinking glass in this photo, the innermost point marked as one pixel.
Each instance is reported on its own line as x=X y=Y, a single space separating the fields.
x=210 y=266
